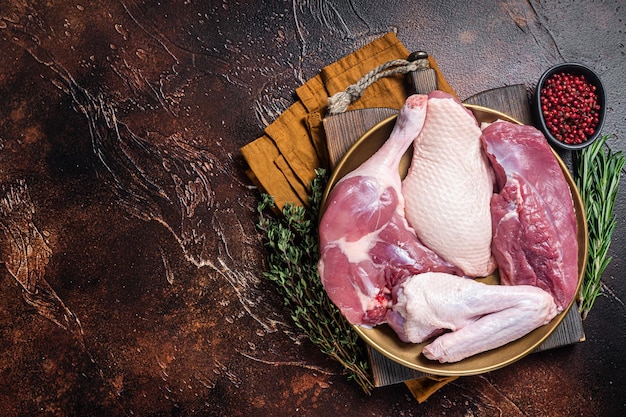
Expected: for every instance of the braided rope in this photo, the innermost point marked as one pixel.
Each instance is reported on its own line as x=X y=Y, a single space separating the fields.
x=339 y=102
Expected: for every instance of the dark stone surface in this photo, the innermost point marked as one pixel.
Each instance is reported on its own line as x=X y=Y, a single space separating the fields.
x=143 y=294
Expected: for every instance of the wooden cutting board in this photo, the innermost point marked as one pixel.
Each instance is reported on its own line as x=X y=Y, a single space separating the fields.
x=343 y=131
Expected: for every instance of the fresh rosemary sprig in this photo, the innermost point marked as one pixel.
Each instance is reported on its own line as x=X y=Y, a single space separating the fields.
x=597 y=173
x=293 y=253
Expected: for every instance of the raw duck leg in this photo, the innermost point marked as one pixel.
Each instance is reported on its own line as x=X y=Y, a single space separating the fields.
x=449 y=186
x=535 y=233
x=367 y=247
x=476 y=317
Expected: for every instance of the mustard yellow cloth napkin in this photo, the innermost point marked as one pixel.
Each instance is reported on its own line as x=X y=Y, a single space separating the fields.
x=282 y=162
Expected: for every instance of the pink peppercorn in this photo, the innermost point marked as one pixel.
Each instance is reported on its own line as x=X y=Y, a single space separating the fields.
x=570 y=107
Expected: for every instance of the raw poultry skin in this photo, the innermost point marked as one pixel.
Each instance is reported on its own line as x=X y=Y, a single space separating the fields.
x=535 y=233
x=376 y=270
x=473 y=317
x=449 y=186
x=367 y=247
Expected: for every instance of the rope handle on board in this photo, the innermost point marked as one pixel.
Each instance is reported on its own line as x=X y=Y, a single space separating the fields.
x=339 y=102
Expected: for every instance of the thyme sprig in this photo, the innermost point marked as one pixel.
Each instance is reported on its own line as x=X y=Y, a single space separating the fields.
x=597 y=172
x=293 y=253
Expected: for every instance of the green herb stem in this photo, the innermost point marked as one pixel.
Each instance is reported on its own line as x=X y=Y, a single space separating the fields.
x=293 y=253
x=597 y=172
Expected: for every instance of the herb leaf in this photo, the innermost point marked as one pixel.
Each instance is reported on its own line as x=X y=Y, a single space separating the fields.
x=597 y=172
x=293 y=253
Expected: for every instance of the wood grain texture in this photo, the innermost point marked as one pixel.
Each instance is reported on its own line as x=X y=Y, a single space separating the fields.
x=422 y=81
x=511 y=100
x=344 y=129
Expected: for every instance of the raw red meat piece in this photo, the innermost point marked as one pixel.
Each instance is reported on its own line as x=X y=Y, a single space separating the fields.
x=535 y=232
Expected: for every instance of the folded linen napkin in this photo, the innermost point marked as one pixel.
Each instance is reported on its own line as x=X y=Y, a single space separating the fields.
x=282 y=162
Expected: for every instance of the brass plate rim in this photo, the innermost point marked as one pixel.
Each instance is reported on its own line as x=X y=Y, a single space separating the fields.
x=522 y=346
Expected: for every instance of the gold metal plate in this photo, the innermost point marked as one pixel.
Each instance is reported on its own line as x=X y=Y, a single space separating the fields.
x=384 y=339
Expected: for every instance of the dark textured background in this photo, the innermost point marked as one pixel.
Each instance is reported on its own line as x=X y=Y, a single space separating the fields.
x=131 y=281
